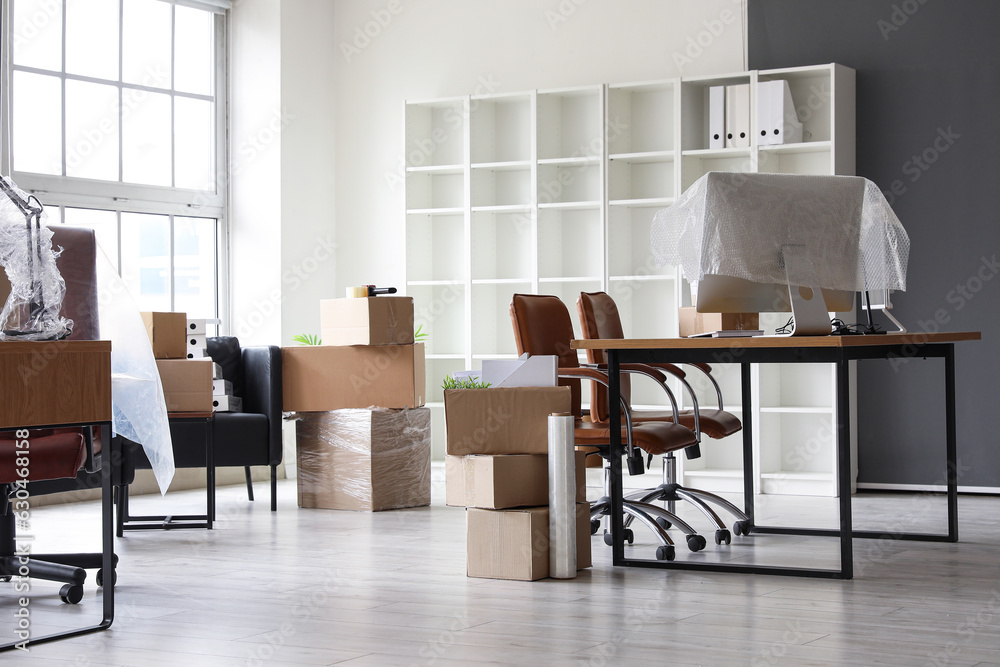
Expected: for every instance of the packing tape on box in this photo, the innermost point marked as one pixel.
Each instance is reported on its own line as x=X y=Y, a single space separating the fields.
x=562 y=496
x=344 y=450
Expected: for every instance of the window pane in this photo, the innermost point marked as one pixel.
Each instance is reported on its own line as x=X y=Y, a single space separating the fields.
x=146 y=138
x=92 y=38
x=194 y=267
x=38 y=34
x=37 y=135
x=146 y=43
x=104 y=224
x=91 y=130
x=146 y=259
x=193 y=40
x=193 y=144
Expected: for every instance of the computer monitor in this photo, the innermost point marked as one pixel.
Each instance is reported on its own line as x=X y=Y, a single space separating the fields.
x=726 y=294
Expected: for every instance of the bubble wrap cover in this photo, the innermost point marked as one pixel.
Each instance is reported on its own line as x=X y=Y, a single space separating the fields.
x=734 y=224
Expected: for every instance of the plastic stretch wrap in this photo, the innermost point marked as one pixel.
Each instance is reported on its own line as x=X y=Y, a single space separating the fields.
x=364 y=459
x=734 y=224
x=140 y=413
x=37 y=288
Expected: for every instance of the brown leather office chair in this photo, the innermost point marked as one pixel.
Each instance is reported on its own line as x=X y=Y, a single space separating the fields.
x=599 y=318
x=542 y=326
x=59 y=455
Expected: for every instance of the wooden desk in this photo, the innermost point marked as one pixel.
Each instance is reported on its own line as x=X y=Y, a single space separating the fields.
x=64 y=383
x=837 y=350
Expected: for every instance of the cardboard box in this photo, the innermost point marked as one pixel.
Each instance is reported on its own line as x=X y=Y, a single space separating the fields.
x=197 y=353
x=505 y=480
x=197 y=326
x=514 y=544
x=377 y=320
x=503 y=420
x=366 y=460
x=319 y=378
x=692 y=322
x=187 y=384
x=167 y=334
x=221 y=387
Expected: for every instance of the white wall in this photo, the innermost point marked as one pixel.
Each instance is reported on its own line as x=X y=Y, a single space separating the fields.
x=392 y=50
x=281 y=145
x=255 y=170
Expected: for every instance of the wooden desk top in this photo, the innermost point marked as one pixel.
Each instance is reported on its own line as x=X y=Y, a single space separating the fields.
x=55 y=382
x=909 y=338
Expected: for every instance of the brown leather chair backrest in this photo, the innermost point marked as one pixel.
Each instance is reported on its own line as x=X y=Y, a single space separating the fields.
x=599 y=318
x=78 y=266
x=542 y=325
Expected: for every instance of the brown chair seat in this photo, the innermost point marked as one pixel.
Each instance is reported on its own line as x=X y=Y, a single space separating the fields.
x=715 y=424
x=55 y=456
x=653 y=437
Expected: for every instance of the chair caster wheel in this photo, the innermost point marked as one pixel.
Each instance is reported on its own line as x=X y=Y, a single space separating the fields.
x=664 y=524
x=595 y=525
x=722 y=535
x=100 y=577
x=741 y=527
x=629 y=537
x=696 y=542
x=5 y=578
x=665 y=552
x=71 y=594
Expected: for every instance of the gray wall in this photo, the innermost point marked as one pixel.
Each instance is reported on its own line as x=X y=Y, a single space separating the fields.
x=928 y=84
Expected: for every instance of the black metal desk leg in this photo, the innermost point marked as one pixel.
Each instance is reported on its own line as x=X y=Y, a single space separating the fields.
x=952 y=442
x=843 y=371
x=746 y=388
x=210 y=473
x=617 y=500
x=107 y=534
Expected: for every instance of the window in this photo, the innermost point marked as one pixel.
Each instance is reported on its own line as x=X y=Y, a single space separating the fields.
x=117 y=122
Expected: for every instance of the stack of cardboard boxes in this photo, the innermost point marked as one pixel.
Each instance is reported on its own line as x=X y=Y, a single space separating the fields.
x=362 y=435
x=187 y=382
x=497 y=466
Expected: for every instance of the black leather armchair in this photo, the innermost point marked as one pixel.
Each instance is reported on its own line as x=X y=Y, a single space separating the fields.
x=248 y=438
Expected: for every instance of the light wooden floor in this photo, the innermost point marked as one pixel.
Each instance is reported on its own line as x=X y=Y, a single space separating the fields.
x=319 y=587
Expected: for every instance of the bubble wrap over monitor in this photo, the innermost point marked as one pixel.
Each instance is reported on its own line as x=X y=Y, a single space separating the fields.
x=734 y=224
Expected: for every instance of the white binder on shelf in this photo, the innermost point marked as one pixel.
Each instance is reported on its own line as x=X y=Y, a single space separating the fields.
x=776 y=114
x=738 y=116
x=716 y=116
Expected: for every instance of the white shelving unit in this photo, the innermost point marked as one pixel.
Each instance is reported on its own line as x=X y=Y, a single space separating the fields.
x=553 y=192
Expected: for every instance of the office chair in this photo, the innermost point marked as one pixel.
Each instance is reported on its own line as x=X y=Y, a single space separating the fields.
x=599 y=318
x=542 y=326
x=61 y=454
x=55 y=454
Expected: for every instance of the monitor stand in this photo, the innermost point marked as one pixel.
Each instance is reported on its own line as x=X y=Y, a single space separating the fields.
x=808 y=306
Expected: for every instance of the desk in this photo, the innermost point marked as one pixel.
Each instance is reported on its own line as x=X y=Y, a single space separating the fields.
x=175 y=521
x=838 y=350
x=56 y=384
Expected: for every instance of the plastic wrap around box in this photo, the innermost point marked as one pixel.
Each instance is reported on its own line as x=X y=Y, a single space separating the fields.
x=364 y=459
x=514 y=544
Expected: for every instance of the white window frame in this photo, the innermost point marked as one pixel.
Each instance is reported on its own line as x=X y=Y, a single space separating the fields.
x=56 y=191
